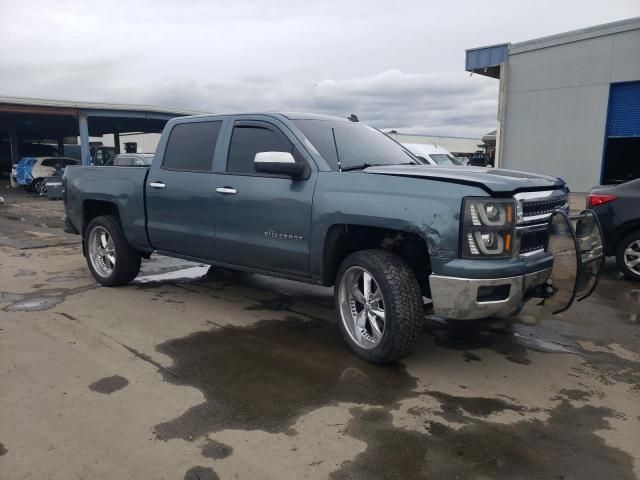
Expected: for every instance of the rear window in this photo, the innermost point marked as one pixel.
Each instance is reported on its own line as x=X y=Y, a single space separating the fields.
x=191 y=146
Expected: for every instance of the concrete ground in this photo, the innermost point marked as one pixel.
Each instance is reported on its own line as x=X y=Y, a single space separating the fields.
x=182 y=375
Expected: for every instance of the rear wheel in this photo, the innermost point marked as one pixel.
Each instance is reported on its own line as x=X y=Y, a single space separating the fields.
x=628 y=255
x=110 y=258
x=39 y=185
x=380 y=306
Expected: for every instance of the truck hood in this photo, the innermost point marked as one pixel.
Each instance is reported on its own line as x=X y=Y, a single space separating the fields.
x=492 y=180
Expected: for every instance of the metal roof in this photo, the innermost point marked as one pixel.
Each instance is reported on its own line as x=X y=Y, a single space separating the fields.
x=95 y=106
x=486 y=60
x=576 y=35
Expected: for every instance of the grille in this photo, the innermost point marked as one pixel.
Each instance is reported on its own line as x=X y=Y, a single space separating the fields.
x=533 y=239
x=531 y=208
x=536 y=211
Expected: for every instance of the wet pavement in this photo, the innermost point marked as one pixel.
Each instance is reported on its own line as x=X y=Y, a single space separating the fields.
x=197 y=374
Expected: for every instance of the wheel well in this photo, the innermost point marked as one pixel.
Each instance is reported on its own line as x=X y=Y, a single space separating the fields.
x=344 y=239
x=622 y=232
x=96 y=208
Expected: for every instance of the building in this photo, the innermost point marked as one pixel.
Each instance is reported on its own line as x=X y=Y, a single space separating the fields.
x=569 y=104
x=25 y=122
x=458 y=146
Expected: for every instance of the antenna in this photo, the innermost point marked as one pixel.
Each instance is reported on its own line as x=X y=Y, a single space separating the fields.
x=353 y=117
x=333 y=132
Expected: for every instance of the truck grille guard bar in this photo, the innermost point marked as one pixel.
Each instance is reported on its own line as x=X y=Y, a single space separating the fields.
x=575 y=242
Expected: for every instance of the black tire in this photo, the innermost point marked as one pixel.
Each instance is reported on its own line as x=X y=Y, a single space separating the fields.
x=622 y=246
x=403 y=305
x=39 y=186
x=127 y=265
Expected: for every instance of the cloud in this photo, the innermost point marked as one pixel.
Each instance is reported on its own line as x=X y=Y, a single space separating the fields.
x=395 y=65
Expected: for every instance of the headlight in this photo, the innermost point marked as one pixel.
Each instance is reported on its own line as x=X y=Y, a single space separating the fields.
x=488 y=227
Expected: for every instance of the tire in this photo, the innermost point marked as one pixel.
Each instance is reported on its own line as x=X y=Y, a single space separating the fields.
x=127 y=260
x=629 y=242
x=395 y=285
x=39 y=186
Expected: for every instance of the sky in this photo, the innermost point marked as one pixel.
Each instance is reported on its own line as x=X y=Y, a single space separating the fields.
x=394 y=64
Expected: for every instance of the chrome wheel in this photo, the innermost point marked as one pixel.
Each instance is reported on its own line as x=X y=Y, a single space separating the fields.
x=40 y=186
x=632 y=257
x=102 y=251
x=361 y=307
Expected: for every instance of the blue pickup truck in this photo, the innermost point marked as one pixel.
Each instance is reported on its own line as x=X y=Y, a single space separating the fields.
x=329 y=201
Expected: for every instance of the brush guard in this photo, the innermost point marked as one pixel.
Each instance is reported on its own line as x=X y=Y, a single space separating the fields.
x=575 y=242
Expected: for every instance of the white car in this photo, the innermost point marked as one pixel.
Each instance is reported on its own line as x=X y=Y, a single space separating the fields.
x=31 y=172
x=432 y=154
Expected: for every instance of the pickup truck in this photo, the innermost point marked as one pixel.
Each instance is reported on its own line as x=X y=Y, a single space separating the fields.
x=329 y=201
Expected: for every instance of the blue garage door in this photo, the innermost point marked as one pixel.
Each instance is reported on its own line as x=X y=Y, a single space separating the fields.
x=623 y=119
x=622 y=146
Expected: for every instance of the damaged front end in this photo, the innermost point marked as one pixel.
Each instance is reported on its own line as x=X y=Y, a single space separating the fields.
x=575 y=249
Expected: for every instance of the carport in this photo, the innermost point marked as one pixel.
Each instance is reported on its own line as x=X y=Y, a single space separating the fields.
x=30 y=119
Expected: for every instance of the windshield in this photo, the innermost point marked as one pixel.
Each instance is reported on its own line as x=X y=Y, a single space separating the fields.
x=444 y=159
x=356 y=145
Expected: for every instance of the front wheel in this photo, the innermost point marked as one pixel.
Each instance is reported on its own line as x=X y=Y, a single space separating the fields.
x=110 y=258
x=380 y=306
x=628 y=256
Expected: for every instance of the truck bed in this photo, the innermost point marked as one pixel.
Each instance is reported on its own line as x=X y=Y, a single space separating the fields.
x=122 y=186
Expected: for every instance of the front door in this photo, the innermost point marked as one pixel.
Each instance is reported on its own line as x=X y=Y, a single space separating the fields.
x=262 y=221
x=180 y=191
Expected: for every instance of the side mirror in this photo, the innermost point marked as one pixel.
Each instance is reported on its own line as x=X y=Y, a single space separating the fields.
x=279 y=163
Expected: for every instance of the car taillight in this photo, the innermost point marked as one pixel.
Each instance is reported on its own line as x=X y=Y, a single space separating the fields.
x=595 y=199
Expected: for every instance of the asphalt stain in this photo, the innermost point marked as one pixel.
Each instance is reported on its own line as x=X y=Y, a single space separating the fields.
x=266 y=376
x=471 y=357
x=454 y=408
x=475 y=336
x=563 y=447
x=3 y=450
x=40 y=299
x=201 y=473
x=108 y=385
x=216 y=450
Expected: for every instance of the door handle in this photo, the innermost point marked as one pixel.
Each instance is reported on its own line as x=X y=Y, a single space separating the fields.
x=157 y=184
x=227 y=190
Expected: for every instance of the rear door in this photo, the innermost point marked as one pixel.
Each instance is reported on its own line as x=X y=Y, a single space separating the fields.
x=180 y=190
x=263 y=221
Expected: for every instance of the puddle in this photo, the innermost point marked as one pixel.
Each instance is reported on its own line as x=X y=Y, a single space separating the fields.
x=182 y=274
x=39 y=300
x=265 y=376
x=563 y=447
x=215 y=450
x=108 y=385
x=201 y=473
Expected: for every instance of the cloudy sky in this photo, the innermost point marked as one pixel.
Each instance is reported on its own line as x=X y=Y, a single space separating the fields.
x=395 y=64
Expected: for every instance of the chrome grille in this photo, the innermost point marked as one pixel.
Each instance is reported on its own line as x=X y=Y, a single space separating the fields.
x=534 y=211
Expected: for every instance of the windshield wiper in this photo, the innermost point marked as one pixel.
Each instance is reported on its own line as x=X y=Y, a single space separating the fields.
x=362 y=166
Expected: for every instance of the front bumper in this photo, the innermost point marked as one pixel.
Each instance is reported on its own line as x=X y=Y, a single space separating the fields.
x=472 y=298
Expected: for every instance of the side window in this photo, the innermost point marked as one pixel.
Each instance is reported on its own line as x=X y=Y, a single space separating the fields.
x=191 y=146
x=247 y=140
x=49 y=162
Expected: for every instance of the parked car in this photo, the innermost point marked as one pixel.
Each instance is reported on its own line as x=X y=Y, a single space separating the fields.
x=100 y=155
x=31 y=172
x=328 y=201
x=133 y=160
x=25 y=149
x=618 y=208
x=431 y=154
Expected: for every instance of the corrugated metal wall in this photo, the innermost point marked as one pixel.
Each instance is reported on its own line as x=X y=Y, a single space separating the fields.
x=623 y=119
